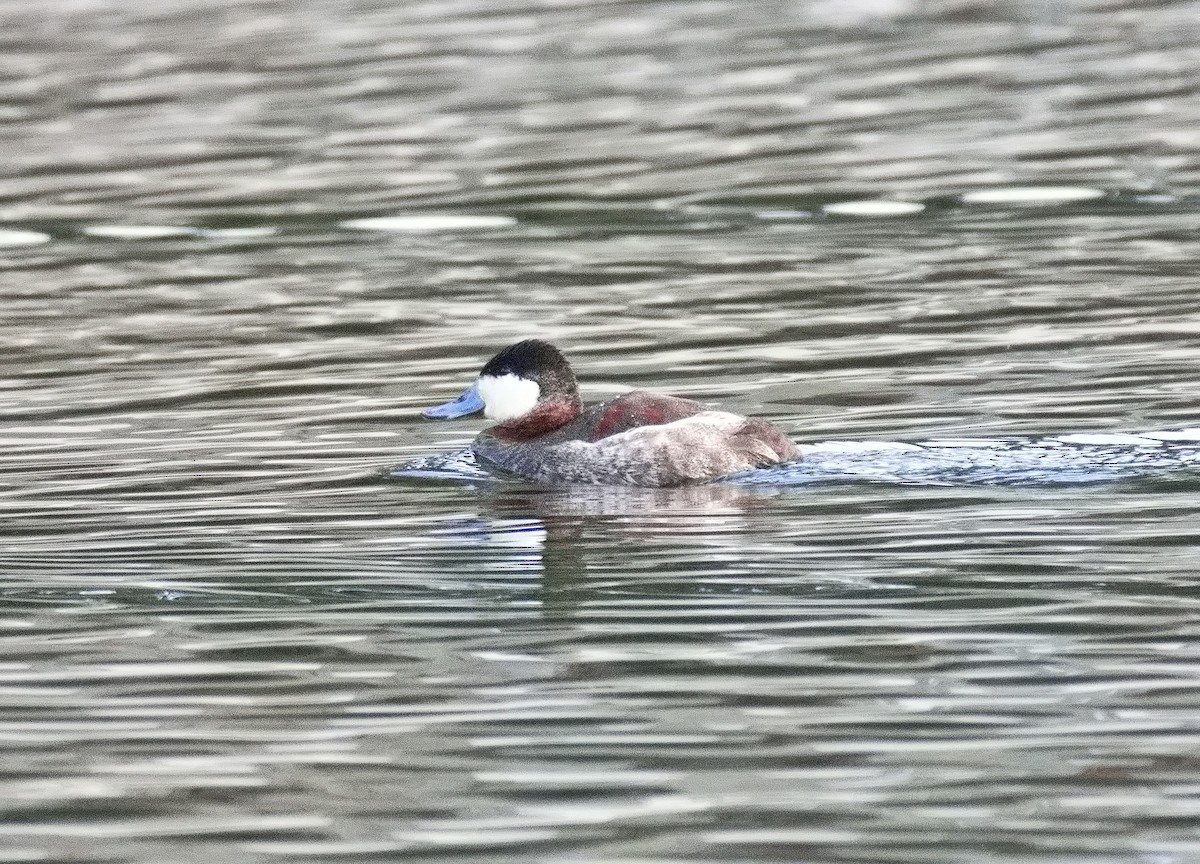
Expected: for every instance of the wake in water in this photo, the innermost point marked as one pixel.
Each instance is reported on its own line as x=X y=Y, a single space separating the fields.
x=1083 y=458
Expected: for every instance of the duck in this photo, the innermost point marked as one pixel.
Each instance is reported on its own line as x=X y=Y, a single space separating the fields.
x=543 y=432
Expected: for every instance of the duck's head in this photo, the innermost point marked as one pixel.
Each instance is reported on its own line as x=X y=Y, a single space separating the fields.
x=529 y=384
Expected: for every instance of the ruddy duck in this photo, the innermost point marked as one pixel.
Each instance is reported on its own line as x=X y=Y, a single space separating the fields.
x=543 y=431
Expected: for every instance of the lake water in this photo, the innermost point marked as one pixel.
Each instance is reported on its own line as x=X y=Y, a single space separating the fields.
x=967 y=629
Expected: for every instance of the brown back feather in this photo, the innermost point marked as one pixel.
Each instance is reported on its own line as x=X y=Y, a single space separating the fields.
x=763 y=443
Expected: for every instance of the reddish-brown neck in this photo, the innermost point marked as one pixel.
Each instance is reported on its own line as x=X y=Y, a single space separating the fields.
x=544 y=418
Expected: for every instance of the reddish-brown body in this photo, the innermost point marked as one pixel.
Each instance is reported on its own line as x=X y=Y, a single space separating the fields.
x=640 y=408
x=630 y=440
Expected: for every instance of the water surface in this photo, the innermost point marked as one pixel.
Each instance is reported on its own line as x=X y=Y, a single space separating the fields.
x=227 y=632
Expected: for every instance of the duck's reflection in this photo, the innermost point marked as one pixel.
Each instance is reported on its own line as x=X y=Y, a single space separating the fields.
x=629 y=505
x=579 y=539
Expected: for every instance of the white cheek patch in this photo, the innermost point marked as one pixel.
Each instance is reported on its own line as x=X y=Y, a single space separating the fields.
x=507 y=396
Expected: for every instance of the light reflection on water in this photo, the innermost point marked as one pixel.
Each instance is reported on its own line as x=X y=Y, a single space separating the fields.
x=226 y=632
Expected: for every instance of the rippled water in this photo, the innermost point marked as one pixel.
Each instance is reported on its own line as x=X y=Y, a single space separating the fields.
x=965 y=631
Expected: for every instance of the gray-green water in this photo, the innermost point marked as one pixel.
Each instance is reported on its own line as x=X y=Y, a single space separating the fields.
x=227 y=634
